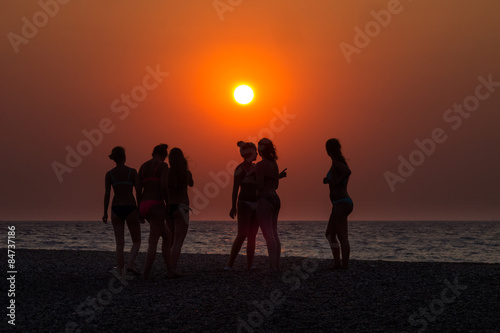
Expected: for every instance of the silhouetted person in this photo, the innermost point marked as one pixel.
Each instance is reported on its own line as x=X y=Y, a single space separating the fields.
x=179 y=178
x=123 y=208
x=153 y=185
x=269 y=204
x=342 y=205
x=246 y=207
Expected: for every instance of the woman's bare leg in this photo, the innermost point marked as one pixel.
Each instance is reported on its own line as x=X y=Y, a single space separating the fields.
x=134 y=227
x=244 y=218
x=252 y=235
x=343 y=210
x=181 y=223
x=331 y=236
x=277 y=240
x=265 y=217
x=341 y=229
x=119 y=230
x=154 y=235
x=166 y=251
x=157 y=230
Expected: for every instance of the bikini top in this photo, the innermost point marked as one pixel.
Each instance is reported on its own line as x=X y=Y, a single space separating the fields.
x=249 y=177
x=153 y=179
x=174 y=182
x=125 y=182
x=341 y=181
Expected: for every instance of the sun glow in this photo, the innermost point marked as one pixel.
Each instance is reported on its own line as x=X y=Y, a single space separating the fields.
x=243 y=94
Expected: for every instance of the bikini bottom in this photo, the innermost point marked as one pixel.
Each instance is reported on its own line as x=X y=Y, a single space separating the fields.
x=183 y=208
x=123 y=211
x=146 y=206
x=344 y=199
x=273 y=199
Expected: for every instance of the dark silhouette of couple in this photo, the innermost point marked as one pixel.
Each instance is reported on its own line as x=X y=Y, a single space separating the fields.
x=257 y=204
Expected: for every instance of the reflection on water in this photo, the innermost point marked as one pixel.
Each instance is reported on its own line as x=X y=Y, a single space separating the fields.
x=401 y=241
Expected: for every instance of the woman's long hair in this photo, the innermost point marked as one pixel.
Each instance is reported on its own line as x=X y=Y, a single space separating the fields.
x=333 y=148
x=267 y=149
x=178 y=168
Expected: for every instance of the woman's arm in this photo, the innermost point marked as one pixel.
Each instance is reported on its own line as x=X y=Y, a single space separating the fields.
x=107 y=196
x=336 y=173
x=339 y=171
x=190 y=179
x=328 y=178
x=238 y=173
x=259 y=175
x=137 y=186
x=164 y=182
x=277 y=180
x=138 y=191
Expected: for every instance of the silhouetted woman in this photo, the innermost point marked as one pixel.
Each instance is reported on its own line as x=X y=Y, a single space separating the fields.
x=342 y=205
x=246 y=208
x=179 y=178
x=269 y=204
x=153 y=184
x=123 y=208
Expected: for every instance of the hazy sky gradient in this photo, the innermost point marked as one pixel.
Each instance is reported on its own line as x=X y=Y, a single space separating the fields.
x=396 y=89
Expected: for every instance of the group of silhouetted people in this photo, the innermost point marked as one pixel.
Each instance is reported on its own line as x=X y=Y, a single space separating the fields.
x=162 y=200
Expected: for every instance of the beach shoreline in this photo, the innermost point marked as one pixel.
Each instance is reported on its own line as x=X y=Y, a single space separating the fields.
x=79 y=291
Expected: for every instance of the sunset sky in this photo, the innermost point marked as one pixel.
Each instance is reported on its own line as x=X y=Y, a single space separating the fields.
x=410 y=88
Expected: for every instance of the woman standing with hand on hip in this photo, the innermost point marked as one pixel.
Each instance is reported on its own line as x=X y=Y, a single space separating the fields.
x=342 y=205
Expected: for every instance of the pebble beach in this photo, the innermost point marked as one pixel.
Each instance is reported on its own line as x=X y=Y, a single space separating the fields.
x=80 y=291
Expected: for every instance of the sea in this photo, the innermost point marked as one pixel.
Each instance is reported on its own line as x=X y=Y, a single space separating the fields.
x=413 y=241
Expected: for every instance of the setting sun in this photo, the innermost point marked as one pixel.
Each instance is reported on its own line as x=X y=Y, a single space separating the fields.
x=243 y=94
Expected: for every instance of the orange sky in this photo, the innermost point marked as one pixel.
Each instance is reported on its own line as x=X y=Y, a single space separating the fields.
x=314 y=76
